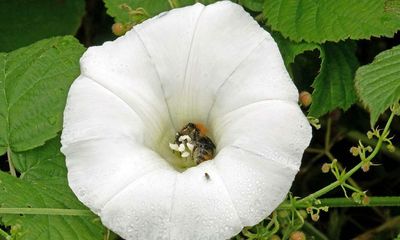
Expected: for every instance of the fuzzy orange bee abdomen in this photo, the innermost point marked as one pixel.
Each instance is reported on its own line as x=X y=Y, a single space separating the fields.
x=202 y=129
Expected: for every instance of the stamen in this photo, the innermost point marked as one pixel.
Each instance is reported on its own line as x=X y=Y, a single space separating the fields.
x=174 y=146
x=181 y=147
x=184 y=137
x=192 y=143
x=185 y=154
x=190 y=146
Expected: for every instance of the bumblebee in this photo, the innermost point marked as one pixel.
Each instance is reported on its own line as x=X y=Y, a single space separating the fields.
x=203 y=148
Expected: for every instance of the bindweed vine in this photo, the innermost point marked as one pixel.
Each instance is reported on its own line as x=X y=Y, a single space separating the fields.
x=92 y=140
x=291 y=214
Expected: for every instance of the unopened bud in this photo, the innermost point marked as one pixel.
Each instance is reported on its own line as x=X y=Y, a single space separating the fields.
x=325 y=167
x=355 y=151
x=297 y=235
x=369 y=149
x=390 y=148
x=325 y=208
x=118 y=29
x=283 y=213
x=370 y=134
x=305 y=98
x=275 y=237
x=303 y=213
x=315 y=217
x=365 y=167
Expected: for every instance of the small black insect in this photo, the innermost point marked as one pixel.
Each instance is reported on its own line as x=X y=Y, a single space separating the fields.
x=207 y=176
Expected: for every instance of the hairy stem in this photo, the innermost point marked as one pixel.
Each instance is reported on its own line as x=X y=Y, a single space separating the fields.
x=350 y=180
x=343 y=179
x=355 y=136
x=327 y=150
x=386 y=201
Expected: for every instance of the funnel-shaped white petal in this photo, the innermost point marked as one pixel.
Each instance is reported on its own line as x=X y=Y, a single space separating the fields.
x=211 y=64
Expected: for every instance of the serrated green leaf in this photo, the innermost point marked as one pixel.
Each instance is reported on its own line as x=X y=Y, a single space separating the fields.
x=43 y=184
x=325 y=20
x=23 y=22
x=121 y=10
x=34 y=83
x=289 y=49
x=334 y=85
x=253 y=5
x=378 y=83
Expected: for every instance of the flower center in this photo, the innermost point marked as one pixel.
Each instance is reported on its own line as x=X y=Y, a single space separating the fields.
x=192 y=145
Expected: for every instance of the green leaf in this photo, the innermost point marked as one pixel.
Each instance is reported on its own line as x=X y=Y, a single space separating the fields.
x=43 y=184
x=253 y=5
x=23 y=22
x=326 y=20
x=334 y=85
x=378 y=83
x=290 y=49
x=34 y=82
x=123 y=11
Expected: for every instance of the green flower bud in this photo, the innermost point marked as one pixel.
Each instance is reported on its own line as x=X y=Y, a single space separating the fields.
x=390 y=148
x=370 y=134
x=355 y=151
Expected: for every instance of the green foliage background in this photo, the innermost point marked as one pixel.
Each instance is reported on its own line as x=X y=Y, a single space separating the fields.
x=328 y=48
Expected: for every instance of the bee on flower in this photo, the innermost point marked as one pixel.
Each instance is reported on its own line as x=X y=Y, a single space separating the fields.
x=193 y=142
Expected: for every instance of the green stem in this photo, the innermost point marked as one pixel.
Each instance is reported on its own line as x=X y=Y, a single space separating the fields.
x=380 y=141
x=373 y=202
x=328 y=146
x=343 y=179
x=10 y=164
x=350 y=180
x=315 y=150
x=351 y=187
x=347 y=202
x=46 y=211
x=355 y=136
x=4 y=234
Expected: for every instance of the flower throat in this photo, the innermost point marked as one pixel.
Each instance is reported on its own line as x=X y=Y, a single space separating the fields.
x=193 y=145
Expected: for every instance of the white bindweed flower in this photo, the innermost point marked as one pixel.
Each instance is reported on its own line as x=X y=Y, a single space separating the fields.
x=199 y=64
